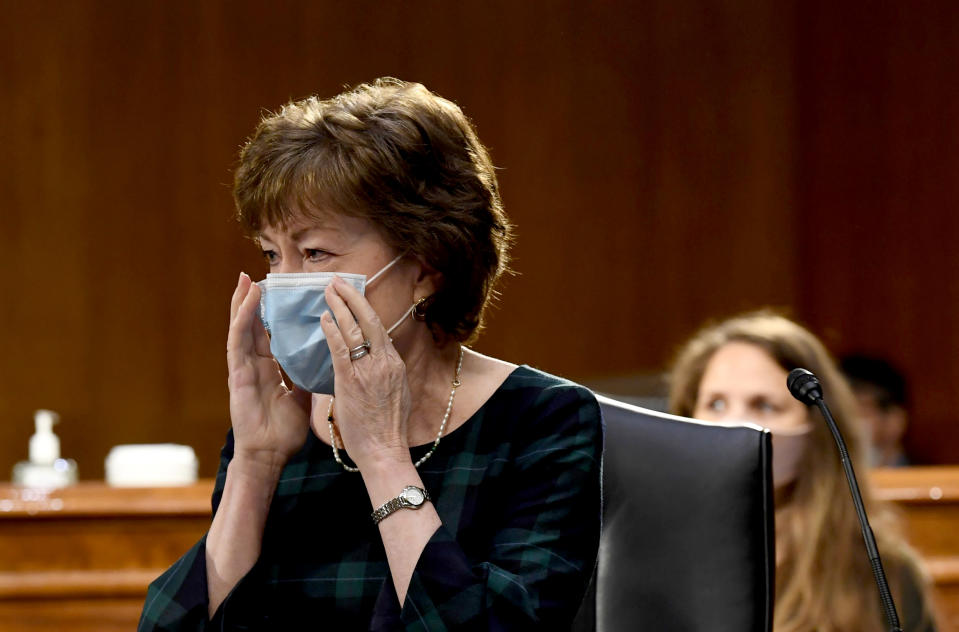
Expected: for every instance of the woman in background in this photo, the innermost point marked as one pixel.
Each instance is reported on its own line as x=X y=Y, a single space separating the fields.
x=736 y=371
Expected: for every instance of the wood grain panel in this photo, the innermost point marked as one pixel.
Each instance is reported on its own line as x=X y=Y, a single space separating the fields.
x=86 y=554
x=81 y=558
x=657 y=158
x=629 y=137
x=879 y=100
x=81 y=615
x=928 y=498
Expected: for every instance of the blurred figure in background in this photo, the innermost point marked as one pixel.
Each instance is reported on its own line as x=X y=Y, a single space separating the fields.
x=882 y=396
x=736 y=372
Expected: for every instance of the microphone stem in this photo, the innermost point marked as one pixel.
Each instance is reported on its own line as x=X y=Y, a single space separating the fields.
x=885 y=596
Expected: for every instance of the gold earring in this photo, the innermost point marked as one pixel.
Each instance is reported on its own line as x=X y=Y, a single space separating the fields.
x=419 y=309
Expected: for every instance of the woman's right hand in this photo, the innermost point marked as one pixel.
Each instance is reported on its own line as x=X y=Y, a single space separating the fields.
x=270 y=421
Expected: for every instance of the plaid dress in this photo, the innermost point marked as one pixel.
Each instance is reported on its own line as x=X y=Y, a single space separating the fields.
x=517 y=488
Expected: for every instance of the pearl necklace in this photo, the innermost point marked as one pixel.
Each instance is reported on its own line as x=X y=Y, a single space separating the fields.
x=436 y=442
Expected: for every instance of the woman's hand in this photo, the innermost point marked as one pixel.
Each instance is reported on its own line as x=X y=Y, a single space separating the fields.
x=270 y=421
x=372 y=394
x=372 y=412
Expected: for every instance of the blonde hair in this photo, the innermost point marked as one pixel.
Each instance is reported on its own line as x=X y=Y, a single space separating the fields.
x=823 y=578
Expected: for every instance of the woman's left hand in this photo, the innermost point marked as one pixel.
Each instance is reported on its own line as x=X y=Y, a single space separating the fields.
x=372 y=405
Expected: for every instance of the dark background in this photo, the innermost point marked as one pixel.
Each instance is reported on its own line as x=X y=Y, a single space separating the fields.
x=665 y=163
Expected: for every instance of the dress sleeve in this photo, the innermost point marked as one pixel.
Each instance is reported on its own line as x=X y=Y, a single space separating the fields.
x=178 y=600
x=541 y=557
x=916 y=610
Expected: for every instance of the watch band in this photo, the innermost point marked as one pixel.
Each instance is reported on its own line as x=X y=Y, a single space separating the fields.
x=411 y=497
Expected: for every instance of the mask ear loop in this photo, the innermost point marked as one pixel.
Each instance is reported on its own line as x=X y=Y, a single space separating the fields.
x=384 y=269
x=418 y=309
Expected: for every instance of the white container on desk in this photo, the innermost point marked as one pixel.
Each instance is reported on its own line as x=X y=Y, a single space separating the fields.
x=151 y=465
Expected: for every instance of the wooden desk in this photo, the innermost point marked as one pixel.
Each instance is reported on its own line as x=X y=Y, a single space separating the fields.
x=81 y=558
x=929 y=500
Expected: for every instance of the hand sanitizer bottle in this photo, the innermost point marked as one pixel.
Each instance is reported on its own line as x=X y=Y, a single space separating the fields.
x=45 y=467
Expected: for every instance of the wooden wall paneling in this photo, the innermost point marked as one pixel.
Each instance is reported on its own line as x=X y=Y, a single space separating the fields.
x=671 y=198
x=651 y=158
x=628 y=136
x=880 y=148
x=49 y=188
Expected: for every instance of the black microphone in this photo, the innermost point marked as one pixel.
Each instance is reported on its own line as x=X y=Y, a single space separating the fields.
x=804 y=386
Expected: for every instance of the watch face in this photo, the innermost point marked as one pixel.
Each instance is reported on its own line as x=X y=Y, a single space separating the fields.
x=413 y=496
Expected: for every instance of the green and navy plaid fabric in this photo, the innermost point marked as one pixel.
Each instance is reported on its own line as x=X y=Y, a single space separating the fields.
x=517 y=488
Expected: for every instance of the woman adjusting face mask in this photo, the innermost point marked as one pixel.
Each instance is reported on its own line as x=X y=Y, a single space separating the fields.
x=326 y=483
x=291 y=306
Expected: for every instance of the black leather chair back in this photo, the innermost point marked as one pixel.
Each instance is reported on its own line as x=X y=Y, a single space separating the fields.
x=688 y=538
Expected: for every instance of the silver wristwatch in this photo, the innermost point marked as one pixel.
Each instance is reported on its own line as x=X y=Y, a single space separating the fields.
x=411 y=497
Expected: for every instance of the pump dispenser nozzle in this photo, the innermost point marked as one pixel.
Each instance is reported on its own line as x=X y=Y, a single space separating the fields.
x=45 y=467
x=44 y=445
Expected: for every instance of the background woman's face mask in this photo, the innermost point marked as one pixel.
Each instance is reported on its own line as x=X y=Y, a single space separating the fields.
x=789 y=448
x=291 y=305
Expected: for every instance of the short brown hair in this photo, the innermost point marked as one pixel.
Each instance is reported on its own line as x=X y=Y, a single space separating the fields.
x=402 y=157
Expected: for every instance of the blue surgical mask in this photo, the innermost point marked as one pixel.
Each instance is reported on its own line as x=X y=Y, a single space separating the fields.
x=789 y=450
x=290 y=307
